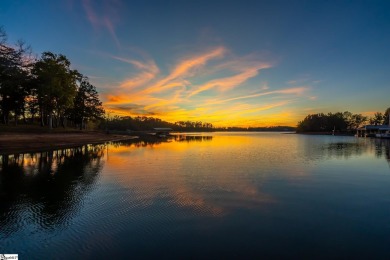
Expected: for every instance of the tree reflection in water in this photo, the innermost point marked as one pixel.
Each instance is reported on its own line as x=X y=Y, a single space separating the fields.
x=48 y=188
x=382 y=149
x=156 y=195
x=153 y=140
x=345 y=147
x=48 y=185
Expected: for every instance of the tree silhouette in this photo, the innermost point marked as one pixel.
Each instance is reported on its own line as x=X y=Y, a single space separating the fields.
x=56 y=85
x=46 y=87
x=386 y=116
x=86 y=104
x=332 y=121
x=377 y=119
x=14 y=78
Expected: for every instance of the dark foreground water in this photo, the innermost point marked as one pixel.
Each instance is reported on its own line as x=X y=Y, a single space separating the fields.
x=220 y=195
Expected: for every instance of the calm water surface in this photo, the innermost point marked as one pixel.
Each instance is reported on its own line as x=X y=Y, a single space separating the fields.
x=224 y=195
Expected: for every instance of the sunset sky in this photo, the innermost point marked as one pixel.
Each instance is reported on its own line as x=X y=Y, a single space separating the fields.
x=241 y=63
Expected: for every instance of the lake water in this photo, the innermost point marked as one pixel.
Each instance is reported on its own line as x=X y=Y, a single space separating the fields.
x=218 y=195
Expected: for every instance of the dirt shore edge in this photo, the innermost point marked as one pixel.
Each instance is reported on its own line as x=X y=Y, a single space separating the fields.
x=11 y=143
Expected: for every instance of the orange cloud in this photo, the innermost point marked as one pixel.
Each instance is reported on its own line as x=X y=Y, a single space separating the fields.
x=148 y=71
x=228 y=83
x=188 y=91
x=187 y=67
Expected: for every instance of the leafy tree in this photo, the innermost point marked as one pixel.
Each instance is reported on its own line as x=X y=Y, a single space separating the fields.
x=47 y=87
x=15 y=66
x=354 y=121
x=332 y=121
x=336 y=121
x=313 y=123
x=386 y=116
x=357 y=121
x=86 y=105
x=56 y=86
x=377 y=119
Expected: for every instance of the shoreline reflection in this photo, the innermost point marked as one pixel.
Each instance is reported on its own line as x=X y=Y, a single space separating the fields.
x=155 y=141
x=96 y=199
x=47 y=188
x=345 y=147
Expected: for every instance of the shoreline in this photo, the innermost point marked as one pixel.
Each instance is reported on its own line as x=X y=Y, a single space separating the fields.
x=19 y=142
x=324 y=133
x=14 y=143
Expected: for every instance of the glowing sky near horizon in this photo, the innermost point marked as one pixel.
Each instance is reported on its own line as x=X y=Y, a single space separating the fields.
x=241 y=63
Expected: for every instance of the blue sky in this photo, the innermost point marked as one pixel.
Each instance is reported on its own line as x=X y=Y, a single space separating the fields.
x=240 y=63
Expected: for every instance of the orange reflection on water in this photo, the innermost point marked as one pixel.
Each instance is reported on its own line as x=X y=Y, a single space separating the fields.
x=211 y=176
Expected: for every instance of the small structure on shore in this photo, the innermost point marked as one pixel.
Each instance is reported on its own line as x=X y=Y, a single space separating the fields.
x=372 y=130
x=162 y=131
x=380 y=131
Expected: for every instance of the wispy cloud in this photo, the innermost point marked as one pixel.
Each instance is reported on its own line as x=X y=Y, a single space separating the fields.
x=176 y=79
x=187 y=67
x=110 y=27
x=227 y=83
x=214 y=86
x=102 y=14
x=147 y=71
x=303 y=80
x=296 y=91
x=91 y=15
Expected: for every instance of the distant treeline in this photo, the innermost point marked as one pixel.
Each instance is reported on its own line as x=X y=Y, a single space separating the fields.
x=43 y=90
x=141 y=123
x=340 y=121
x=258 y=129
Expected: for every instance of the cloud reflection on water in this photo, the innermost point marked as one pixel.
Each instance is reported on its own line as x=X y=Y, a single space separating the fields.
x=210 y=174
